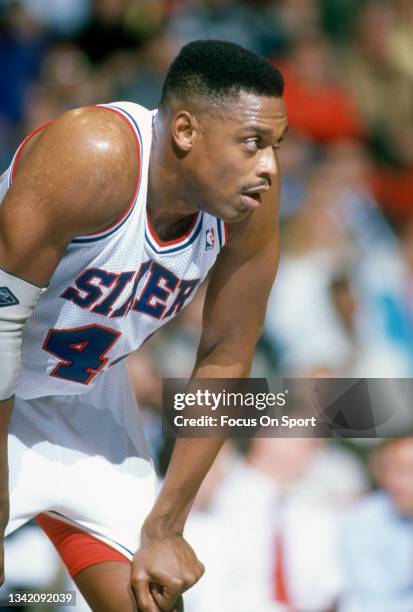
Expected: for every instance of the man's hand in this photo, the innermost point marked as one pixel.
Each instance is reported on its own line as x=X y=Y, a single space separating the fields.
x=162 y=569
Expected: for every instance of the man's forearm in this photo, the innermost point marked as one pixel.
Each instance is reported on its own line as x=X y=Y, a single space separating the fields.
x=190 y=462
x=192 y=457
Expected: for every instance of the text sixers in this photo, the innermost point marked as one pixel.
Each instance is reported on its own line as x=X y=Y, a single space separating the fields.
x=114 y=295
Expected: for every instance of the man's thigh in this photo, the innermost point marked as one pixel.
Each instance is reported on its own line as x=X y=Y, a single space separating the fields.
x=106 y=588
x=101 y=572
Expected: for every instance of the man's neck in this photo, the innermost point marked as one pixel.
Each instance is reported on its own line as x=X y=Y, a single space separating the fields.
x=167 y=206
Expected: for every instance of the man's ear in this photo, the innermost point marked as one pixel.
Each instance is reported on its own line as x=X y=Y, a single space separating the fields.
x=185 y=129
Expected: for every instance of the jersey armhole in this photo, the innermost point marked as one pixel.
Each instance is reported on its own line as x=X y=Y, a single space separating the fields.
x=17 y=155
x=112 y=227
x=115 y=225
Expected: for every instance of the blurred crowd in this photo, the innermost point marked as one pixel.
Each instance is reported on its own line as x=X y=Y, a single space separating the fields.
x=343 y=299
x=283 y=524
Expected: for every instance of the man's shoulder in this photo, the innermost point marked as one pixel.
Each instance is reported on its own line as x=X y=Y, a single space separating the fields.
x=111 y=129
x=115 y=122
x=139 y=117
x=82 y=170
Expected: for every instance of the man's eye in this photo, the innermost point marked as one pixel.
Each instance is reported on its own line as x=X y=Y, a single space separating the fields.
x=251 y=144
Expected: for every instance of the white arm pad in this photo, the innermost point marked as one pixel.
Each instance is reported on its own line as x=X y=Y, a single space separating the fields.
x=17 y=302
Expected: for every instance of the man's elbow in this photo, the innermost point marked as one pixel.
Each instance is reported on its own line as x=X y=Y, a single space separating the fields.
x=223 y=361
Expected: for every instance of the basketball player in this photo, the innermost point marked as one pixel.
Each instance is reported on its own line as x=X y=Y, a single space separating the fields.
x=111 y=217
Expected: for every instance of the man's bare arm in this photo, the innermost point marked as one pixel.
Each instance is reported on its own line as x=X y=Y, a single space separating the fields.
x=233 y=318
x=74 y=178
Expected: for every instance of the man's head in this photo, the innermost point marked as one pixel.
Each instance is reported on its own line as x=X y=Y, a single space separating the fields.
x=393 y=469
x=224 y=117
x=208 y=73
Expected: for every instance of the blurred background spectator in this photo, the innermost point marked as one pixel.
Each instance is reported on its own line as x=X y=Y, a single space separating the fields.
x=343 y=301
x=377 y=536
x=272 y=517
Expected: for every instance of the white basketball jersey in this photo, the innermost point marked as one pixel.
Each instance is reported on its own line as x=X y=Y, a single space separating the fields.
x=112 y=289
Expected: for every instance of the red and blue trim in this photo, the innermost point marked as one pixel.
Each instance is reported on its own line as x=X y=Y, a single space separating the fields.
x=161 y=247
x=219 y=233
x=58 y=516
x=118 y=223
x=226 y=232
x=222 y=232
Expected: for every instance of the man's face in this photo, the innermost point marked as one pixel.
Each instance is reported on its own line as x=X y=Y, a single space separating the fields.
x=234 y=158
x=394 y=472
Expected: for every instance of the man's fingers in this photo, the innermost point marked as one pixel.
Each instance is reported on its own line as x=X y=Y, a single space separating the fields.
x=143 y=595
x=161 y=571
x=178 y=605
x=167 y=597
x=201 y=570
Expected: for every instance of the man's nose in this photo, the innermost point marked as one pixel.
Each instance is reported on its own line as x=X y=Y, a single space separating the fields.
x=267 y=164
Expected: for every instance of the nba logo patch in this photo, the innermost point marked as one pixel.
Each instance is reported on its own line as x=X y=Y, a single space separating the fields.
x=209 y=239
x=7 y=298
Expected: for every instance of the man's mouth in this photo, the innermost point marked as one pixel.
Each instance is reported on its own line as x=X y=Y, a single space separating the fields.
x=251 y=200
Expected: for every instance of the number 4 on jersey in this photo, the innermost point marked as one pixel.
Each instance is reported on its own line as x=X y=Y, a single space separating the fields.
x=81 y=351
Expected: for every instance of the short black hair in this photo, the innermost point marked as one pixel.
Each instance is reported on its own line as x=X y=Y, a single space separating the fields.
x=212 y=70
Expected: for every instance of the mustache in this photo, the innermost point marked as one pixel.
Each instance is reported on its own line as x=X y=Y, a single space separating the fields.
x=252 y=186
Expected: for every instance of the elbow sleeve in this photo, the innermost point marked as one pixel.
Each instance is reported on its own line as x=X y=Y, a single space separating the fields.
x=17 y=302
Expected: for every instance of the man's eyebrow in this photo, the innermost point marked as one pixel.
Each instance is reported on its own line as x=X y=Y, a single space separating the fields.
x=258 y=130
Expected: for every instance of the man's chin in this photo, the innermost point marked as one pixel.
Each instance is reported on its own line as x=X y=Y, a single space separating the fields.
x=229 y=214
x=234 y=216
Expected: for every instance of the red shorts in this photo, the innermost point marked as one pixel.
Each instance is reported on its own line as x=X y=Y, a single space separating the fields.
x=78 y=549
